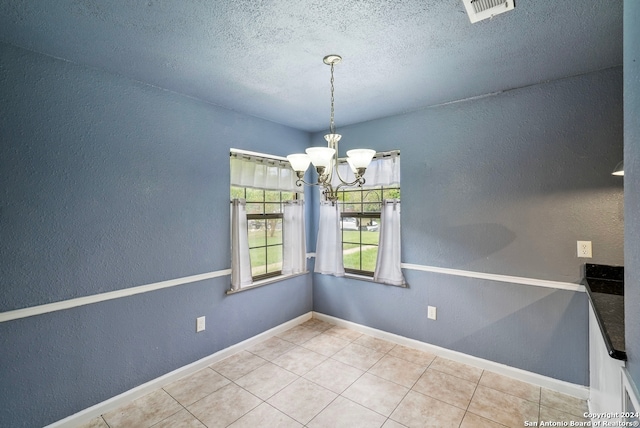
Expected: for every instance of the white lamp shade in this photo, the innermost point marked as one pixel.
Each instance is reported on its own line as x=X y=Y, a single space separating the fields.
x=321 y=156
x=360 y=158
x=350 y=162
x=299 y=161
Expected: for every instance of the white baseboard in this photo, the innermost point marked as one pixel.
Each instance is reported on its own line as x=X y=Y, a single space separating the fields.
x=557 y=385
x=113 y=403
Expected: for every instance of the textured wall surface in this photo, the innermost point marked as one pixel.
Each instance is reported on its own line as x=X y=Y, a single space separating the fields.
x=264 y=58
x=537 y=329
x=108 y=184
x=105 y=184
x=632 y=185
x=505 y=184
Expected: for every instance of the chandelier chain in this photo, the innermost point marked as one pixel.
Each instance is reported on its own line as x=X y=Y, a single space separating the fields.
x=326 y=159
x=332 y=126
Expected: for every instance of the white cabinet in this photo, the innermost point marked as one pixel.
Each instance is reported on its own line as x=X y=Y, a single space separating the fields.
x=605 y=374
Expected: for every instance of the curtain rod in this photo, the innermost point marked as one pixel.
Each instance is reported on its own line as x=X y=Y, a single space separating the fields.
x=258 y=154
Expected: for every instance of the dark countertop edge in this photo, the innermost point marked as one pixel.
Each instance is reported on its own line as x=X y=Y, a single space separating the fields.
x=604 y=272
x=613 y=353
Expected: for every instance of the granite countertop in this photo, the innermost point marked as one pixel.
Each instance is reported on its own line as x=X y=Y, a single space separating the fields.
x=605 y=288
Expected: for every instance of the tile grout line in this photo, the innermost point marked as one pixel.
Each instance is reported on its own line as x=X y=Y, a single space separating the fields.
x=471 y=399
x=296 y=345
x=352 y=339
x=359 y=377
x=174 y=399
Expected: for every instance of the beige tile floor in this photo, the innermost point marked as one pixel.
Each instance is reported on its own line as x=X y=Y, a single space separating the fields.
x=320 y=375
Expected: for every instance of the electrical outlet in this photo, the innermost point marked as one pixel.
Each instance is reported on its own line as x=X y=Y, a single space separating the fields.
x=584 y=249
x=200 y=324
x=431 y=312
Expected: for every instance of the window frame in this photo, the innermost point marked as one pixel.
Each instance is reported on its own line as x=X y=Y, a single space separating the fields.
x=361 y=214
x=265 y=217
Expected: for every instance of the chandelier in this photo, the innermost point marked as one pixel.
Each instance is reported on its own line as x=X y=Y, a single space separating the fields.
x=325 y=159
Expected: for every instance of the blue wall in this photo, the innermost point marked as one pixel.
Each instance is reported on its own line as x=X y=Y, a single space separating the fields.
x=632 y=185
x=106 y=184
x=504 y=184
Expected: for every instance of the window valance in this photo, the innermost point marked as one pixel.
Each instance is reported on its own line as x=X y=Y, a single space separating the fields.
x=384 y=170
x=249 y=169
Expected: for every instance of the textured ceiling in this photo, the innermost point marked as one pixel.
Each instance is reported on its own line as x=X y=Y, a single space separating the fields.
x=264 y=58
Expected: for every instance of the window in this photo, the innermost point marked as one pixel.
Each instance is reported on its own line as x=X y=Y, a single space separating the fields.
x=267 y=219
x=362 y=234
x=264 y=228
x=360 y=224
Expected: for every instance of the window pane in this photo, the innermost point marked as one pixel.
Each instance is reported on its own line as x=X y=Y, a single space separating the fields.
x=353 y=196
x=392 y=193
x=348 y=224
x=351 y=257
x=258 y=261
x=274 y=258
x=370 y=230
x=257 y=233
x=274 y=231
x=255 y=195
x=254 y=208
x=272 y=196
x=288 y=196
x=369 y=255
x=373 y=196
x=372 y=207
x=273 y=208
x=237 y=192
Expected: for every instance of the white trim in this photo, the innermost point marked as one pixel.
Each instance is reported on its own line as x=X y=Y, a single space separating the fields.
x=497 y=277
x=113 y=403
x=491 y=276
x=266 y=281
x=561 y=386
x=95 y=298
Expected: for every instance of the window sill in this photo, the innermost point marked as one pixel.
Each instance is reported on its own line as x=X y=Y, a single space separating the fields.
x=359 y=277
x=266 y=281
x=370 y=279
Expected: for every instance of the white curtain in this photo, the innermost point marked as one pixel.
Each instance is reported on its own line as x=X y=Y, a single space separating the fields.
x=294 y=259
x=329 y=245
x=261 y=172
x=384 y=170
x=240 y=260
x=388 y=269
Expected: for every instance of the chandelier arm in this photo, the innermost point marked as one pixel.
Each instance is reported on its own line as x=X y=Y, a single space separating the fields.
x=358 y=181
x=301 y=181
x=342 y=180
x=330 y=193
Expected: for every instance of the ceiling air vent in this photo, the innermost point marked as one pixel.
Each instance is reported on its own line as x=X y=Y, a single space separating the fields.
x=483 y=9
